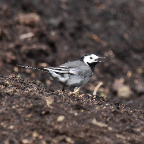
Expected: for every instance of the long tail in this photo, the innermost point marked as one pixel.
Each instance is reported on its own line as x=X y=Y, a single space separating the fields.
x=24 y=66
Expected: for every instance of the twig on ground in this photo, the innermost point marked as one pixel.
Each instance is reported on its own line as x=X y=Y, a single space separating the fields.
x=96 y=88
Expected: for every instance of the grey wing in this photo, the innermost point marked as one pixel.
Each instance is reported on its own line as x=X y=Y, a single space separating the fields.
x=61 y=74
x=72 y=67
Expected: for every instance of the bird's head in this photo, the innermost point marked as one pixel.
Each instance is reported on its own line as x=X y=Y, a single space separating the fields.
x=91 y=60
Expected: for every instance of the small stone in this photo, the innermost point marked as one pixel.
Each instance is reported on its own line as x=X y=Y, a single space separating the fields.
x=35 y=134
x=110 y=128
x=124 y=92
x=16 y=69
x=76 y=114
x=48 y=82
x=43 y=142
x=7 y=82
x=13 y=107
x=140 y=87
x=29 y=19
x=11 y=126
x=100 y=124
x=140 y=70
x=129 y=74
x=69 y=140
x=118 y=83
x=26 y=141
x=60 y=118
x=120 y=136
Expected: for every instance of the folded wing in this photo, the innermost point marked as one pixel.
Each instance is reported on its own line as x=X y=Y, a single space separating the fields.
x=62 y=70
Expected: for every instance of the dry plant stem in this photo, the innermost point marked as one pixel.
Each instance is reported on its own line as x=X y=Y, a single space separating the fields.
x=96 y=88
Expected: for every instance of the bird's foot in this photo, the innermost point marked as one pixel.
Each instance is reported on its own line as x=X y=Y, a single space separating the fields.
x=60 y=92
x=76 y=90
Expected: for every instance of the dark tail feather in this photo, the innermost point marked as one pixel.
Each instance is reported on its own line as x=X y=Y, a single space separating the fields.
x=24 y=66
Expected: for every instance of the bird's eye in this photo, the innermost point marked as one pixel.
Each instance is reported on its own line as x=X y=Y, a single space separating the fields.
x=91 y=58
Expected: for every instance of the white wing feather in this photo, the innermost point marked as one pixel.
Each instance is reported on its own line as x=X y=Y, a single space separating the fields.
x=62 y=70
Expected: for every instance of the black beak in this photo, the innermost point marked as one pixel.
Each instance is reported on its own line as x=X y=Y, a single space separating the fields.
x=100 y=58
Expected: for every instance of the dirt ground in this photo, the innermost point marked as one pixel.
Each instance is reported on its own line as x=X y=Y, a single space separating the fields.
x=43 y=33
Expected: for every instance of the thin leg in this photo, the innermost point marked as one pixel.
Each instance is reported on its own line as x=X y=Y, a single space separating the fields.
x=75 y=88
x=63 y=88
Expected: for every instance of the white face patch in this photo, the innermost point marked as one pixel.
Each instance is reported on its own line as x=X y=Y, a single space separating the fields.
x=91 y=59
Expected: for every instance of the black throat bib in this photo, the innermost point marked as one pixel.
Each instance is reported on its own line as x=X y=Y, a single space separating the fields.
x=92 y=65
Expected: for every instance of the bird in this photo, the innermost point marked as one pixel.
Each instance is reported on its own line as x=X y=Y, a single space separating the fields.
x=72 y=74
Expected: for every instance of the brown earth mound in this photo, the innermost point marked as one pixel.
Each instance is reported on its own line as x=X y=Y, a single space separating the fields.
x=43 y=33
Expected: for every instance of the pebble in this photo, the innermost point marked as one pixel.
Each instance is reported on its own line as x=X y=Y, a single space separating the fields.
x=60 y=118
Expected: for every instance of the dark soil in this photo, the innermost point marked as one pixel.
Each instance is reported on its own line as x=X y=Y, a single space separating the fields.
x=43 y=33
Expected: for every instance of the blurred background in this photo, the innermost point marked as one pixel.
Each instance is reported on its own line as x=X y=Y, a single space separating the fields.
x=43 y=33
